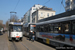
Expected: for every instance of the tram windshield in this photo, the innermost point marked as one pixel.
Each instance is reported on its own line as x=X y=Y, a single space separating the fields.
x=16 y=28
x=32 y=27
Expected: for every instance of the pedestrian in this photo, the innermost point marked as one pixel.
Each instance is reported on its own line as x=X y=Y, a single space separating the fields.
x=33 y=36
x=30 y=35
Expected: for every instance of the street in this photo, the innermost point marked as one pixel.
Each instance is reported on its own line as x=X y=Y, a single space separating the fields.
x=5 y=44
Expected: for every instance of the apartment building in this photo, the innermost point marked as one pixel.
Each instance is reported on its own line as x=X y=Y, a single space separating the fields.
x=28 y=14
x=42 y=13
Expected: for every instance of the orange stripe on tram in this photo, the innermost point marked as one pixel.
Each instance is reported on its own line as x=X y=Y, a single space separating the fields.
x=17 y=36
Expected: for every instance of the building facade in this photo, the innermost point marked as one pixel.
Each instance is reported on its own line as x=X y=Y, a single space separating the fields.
x=42 y=13
x=28 y=14
x=1 y=21
x=26 y=18
x=70 y=5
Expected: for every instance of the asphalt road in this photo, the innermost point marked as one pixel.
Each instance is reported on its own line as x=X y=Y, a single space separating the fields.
x=5 y=44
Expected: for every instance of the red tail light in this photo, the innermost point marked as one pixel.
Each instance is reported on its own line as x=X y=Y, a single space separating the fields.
x=71 y=39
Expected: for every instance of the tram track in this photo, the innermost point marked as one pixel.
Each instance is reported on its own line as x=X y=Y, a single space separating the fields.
x=15 y=47
x=24 y=45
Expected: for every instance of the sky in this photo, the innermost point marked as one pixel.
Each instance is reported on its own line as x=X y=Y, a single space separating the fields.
x=22 y=6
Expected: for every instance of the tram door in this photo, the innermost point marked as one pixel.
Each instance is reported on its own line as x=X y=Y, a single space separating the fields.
x=33 y=28
x=10 y=30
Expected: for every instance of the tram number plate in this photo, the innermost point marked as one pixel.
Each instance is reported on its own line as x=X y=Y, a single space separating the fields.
x=47 y=41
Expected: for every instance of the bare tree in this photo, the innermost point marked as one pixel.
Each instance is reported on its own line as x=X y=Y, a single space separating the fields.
x=1 y=25
x=7 y=24
x=13 y=18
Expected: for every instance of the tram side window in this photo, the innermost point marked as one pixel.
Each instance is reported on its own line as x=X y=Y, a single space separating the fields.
x=11 y=28
x=50 y=28
x=73 y=28
x=26 y=29
x=67 y=28
x=37 y=28
x=41 y=28
x=46 y=28
x=56 y=28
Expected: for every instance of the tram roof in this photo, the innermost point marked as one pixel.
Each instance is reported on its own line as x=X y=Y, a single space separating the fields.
x=65 y=14
x=57 y=20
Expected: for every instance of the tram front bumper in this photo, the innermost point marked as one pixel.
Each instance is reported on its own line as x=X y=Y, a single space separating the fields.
x=17 y=37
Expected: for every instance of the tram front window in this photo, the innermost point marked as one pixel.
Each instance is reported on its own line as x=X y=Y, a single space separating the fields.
x=17 y=28
x=32 y=27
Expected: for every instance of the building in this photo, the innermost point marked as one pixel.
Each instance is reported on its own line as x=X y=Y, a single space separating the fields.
x=26 y=18
x=1 y=21
x=70 y=5
x=28 y=14
x=61 y=15
x=42 y=13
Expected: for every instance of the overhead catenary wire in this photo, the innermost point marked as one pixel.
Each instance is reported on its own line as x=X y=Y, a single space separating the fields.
x=60 y=7
x=62 y=3
x=16 y=5
x=46 y=2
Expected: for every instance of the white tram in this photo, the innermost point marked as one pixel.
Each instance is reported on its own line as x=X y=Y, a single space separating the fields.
x=15 y=31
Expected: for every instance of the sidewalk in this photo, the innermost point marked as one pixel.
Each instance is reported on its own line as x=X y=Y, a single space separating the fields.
x=3 y=42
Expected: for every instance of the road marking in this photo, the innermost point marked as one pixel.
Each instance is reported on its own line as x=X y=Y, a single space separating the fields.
x=24 y=46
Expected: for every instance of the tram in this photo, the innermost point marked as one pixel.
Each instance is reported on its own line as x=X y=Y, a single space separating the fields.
x=15 y=31
x=28 y=27
x=57 y=32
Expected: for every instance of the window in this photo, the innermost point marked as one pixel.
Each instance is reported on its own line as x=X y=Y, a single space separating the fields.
x=56 y=28
x=37 y=28
x=66 y=27
x=41 y=14
x=17 y=28
x=51 y=28
x=46 y=28
x=34 y=9
x=42 y=28
x=26 y=29
x=73 y=27
x=48 y=14
x=32 y=27
x=52 y=14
